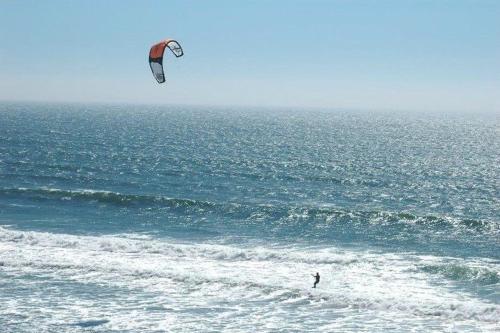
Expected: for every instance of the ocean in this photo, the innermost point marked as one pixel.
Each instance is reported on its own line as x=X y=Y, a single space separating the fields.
x=123 y=218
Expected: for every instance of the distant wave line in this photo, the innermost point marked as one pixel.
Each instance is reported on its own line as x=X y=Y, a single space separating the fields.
x=255 y=212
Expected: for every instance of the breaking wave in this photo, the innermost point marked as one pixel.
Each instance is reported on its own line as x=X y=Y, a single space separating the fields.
x=108 y=197
x=460 y=272
x=290 y=214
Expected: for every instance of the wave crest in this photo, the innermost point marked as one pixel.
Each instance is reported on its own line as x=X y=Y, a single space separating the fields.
x=283 y=215
x=458 y=272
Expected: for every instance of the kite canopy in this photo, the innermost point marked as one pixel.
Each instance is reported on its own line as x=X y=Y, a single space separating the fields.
x=156 y=57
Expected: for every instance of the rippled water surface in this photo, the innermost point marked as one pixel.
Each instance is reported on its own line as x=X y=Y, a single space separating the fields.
x=150 y=219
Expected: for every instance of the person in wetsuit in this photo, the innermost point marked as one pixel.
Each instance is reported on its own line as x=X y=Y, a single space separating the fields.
x=317 y=279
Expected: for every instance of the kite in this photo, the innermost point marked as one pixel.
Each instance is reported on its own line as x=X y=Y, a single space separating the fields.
x=156 y=57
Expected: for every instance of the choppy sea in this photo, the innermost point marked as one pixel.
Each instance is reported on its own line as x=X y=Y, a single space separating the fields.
x=119 y=218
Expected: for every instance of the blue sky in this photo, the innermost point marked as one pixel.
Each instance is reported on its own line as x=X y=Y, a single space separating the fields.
x=408 y=55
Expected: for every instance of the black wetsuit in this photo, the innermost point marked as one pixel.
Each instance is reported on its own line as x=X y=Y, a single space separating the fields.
x=317 y=280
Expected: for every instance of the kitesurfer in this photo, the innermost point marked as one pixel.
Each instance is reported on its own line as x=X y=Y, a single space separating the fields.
x=316 y=281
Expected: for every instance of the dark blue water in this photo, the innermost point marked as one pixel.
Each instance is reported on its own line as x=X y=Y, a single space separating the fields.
x=388 y=206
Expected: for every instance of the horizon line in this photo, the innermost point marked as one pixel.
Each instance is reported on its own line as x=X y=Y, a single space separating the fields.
x=242 y=106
